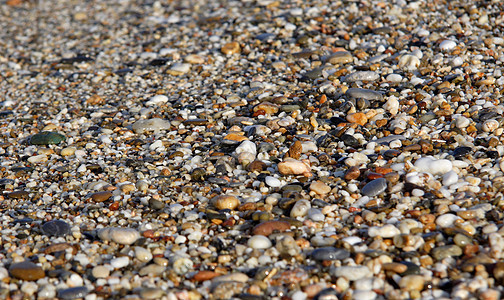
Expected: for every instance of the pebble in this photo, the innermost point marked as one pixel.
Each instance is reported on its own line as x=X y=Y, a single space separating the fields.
x=386 y=231
x=300 y=208
x=330 y=253
x=120 y=262
x=370 y=95
x=412 y=283
x=450 y=178
x=152 y=293
x=26 y=271
x=433 y=166
x=125 y=236
x=442 y=252
x=340 y=57
x=226 y=202
x=73 y=293
x=231 y=48
x=259 y=242
x=272 y=181
x=269 y=227
x=294 y=167
x=375 y=187
x=100 y=272
x=352 y=273
x=447 y=45
x=364 y=295
x=154 y=124
x=362 y=76
x=47 y=138
x=409 y=62
x=157 y=100
x=56 y=228
x=359 y=118
x=446 y=220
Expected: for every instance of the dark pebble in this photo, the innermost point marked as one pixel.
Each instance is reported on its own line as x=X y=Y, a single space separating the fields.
x=56 y=228
x=47 y=138
x=330 y=253
x=461 y=151
x=73 y=293
x=350 y=141
x=375 y=187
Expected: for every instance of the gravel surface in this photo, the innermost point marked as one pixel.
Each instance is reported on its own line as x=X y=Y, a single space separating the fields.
x=251 y=149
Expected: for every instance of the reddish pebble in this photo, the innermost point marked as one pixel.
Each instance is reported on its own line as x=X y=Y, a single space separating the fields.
x=269 y=227
x=352 y=173
x=205 y=275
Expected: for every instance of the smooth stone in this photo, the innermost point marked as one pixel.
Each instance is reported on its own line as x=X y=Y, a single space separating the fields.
x=447 y=45
x=226 y=290
x=152 y=293
x=157 y=100
x=235 y=276
x=269 y=227
x=370 y=95
x=315 y=215
x=340 y=57
x=409 y=62
x=226 y=202
x=56 y=228
x=462 y=240
x=300 y=208
x=450 y=178
x=101 y=196
x=120 y=262
x=125 y=236
x=363 y=295
x=386 y=231
x=442 y=252
x=352 y=273
x=47 y=138
x=446 y=220
x=350 y=141
x=179 y=69
x=154 y=124
x=272 y=181
x=362 y=76
x=294 y=167
x=330 y=253
x=73 y=293
x=412 y=283
x=374 y=187
x=434 y=166
x=26 y=270
x=461 y=151
x=152 y=270
x=259 y=242
x=142 y=254
x=287 y=246
x=100 y=272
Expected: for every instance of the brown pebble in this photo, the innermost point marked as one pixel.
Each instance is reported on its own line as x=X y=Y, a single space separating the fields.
x=231 y=48
x=205 y=275
x=395 y=267
x=57 y=247
x=101 y=196
x=295 y=150
x=226 y=202
x=413 y=147
x=18 y=195
x=26 y=271
x=257 y=166
x=352 y=173
x=359 y=118
x=269 y=227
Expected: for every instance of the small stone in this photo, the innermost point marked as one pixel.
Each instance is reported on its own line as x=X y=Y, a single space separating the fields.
x=154 y=124
x=392 y=105
x=272 y=181
x=395 y=267
x=26 y=270
x=362 y=76
x=320 y=187
x=100 y=272
x=409 y=62
x=357 y=93
x=412 y=283
x=143 y=254
x=447 y=45
x=364 y=295
x=359 y=118
x=434 y=166
x=101 y=196
x=294 y=167
x=450 y=178
x=267 y=108
x=226 y=202
x=257 y=166
x=490 y=125
x=226 y=290
x=259 y=242
x=269 y=227
x=295 y=150
x=205 y=275
x=235 y=276
x=182 y=265
x=56 y=228
x=386 y=231
x=287 y=246
x=442 y=252
x=179 y=69
x=330 y=253
x=120 y=262
x=231 y=48
x=375 y=187
x=152 y=270
x=352 y=173
x=73 y=293
x=340 y=57
x=194 y=59
x=446 y=220
x=157 y=100
x=352 y=273
x=68 y=151
x=152 y=293
x=300 y=208
x=47 y=138
x=125 y=236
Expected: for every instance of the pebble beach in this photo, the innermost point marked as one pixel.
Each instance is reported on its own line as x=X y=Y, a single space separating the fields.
x=253 y=149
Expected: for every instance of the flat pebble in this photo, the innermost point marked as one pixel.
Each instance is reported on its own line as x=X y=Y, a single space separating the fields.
x=330 y=253
x=386 y=231
x=125 y=236
x=73 y=293
x=26 y=271
x=352 y=273
x=375 y=187
x=259 y=242
x=56 y=228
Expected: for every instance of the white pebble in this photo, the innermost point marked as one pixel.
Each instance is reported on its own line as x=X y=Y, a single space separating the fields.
x=272 y=181
x=447 y=45
x=315 y=215
x=392 y=105
x=396 y=78
x=462 y=122
x=490 y=125
x=248 y=147
x=434 y=166
x=259 y=242
x=157 y=100
x=300 y=208
x=450 y=178
x=125 y=236
x=363 y=295
x=143 y=254
x=409 y=62
x=352 y=273
x=120 y=262
x=154 y=124
x=446 y=220
x=386 y=231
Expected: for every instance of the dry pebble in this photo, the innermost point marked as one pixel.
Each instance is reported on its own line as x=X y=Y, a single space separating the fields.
x=252 y=150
